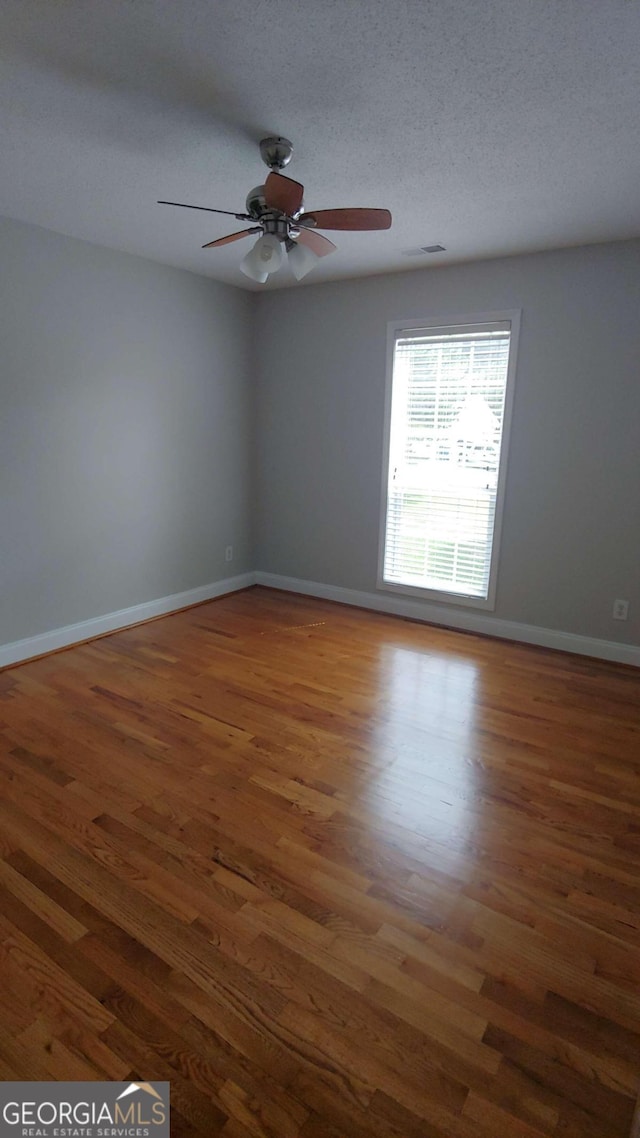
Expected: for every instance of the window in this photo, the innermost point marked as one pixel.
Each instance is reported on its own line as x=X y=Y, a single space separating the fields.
x=448 y=411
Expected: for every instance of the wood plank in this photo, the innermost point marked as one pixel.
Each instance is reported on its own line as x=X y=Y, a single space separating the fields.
x=328 y=872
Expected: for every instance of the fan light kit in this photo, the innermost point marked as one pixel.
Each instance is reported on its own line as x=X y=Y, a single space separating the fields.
x=277 y=212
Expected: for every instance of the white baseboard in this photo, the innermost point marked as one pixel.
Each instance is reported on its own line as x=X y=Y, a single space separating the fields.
x=57 y=638
x=482 y=622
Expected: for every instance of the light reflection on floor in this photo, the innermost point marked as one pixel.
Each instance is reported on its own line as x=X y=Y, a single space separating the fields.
x=423 y=742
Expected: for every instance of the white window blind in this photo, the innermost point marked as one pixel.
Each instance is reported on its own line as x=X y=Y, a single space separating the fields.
x=447 y=413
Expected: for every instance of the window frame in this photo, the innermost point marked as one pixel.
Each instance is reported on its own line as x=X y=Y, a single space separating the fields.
x=451 y=324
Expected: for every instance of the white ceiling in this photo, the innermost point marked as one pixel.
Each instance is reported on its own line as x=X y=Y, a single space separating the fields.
x=489 y=126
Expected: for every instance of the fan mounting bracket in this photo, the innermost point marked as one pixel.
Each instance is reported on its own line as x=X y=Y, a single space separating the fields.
x=276 y=152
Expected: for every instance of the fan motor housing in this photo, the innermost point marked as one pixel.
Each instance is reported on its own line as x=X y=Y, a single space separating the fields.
x=255 y=204
x=271 y=220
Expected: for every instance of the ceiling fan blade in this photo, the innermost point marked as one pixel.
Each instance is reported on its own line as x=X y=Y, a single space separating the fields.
x=231 y=237
x=207 y=209
x=283 y=194
x=348 y=218
x=318 y=244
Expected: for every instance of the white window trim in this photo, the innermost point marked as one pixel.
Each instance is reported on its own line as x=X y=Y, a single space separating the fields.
x=449 y=323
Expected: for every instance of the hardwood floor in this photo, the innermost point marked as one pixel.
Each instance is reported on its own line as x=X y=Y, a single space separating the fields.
x=331 y=874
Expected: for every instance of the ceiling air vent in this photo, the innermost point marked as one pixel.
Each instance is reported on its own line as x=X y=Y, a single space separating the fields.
x=424 y=249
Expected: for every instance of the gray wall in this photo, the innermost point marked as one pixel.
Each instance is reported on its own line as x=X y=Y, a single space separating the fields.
x=571 y=532
x=125 y=414
x=149 y=418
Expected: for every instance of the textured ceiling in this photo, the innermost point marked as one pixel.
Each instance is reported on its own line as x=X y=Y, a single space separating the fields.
x=489 y=126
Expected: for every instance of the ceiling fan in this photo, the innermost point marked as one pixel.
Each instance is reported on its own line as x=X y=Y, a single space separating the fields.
x=276 y=210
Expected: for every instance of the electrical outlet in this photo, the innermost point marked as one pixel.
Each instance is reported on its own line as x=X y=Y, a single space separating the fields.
x=228 y=553
x=620 y=610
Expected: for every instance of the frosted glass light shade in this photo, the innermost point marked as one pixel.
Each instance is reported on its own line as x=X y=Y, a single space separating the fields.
x=251 y=269
x=266 y=257
x=302 y=260
x=269 y=252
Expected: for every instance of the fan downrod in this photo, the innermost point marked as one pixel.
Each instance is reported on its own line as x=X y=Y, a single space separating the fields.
x=276 y=152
